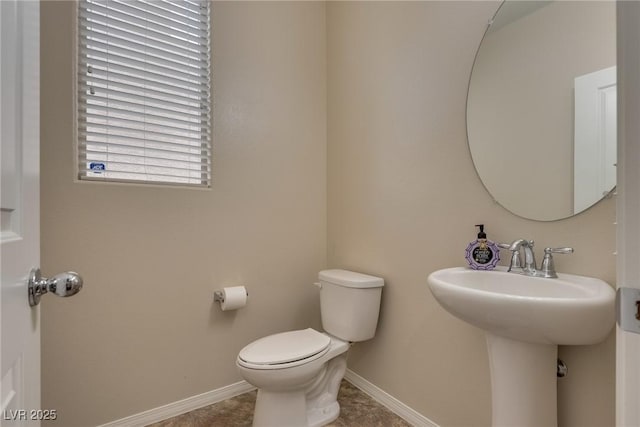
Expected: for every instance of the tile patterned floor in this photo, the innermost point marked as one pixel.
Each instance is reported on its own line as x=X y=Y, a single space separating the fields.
x=357 y=410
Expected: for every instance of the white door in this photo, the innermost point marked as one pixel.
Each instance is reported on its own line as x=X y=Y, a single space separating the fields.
x=594 y=147
x=19 y=199
x=628 y=212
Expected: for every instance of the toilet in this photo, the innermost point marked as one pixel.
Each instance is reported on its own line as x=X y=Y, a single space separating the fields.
x=298 y=373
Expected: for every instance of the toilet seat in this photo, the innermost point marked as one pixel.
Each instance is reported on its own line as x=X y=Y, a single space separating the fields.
x=285 y=350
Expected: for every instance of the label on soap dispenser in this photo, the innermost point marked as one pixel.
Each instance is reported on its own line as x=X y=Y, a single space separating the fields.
x=481 y=253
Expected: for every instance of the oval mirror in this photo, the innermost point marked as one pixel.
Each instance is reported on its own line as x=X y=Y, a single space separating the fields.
x=541 y=108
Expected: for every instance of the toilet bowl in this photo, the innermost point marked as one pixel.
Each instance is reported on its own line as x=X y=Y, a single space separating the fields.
x=298 y=373
x=298 y=376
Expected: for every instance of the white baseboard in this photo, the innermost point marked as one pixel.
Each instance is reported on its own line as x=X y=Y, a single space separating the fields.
x=182 y=406
x=410 y=415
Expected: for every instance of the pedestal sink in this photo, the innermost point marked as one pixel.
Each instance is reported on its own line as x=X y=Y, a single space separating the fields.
x=525 y=319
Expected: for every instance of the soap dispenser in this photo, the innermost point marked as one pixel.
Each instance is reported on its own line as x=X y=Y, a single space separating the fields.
x=482 y=253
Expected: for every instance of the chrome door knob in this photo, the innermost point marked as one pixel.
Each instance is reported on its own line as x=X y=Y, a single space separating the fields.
x=63 y=285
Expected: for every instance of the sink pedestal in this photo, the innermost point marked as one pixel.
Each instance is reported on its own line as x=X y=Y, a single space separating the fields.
x=523 y=382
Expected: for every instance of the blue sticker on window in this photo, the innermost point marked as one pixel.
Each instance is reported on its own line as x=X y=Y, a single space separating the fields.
x=97 y=167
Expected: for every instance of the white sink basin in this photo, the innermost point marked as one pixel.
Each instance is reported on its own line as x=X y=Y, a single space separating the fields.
x=567 y=310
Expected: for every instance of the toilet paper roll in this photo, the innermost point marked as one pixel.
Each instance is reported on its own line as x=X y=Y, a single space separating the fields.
x=234 y=297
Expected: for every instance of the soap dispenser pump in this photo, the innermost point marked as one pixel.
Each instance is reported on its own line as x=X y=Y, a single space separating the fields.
x=482 y=253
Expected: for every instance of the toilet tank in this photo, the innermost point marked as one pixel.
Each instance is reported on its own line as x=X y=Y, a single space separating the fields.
x=350 y=304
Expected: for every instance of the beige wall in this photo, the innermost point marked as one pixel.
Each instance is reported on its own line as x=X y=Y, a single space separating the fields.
x=396 y=194
x=144 y=331
x=404 y=198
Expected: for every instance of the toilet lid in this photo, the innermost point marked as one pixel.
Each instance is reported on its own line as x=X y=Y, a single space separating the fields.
x=285 y=347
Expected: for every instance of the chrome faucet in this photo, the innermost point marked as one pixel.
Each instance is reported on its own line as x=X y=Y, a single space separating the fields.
x=530 y=268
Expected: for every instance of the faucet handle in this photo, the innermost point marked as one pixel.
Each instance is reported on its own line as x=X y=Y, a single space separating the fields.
x=548 y=269
x=516 y=258
x=558 y=251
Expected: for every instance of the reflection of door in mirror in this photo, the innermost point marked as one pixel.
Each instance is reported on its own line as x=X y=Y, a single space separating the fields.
x=595 y=133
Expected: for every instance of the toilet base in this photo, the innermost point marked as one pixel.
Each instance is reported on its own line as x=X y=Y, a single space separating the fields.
x=322 y=397
x=290 y=410
x=286 y=409
x=321 y=417
x=313 y=406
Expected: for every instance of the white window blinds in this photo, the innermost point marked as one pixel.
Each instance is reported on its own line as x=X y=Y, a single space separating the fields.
x=143 y=91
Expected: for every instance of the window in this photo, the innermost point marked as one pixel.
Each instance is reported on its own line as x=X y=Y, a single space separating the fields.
x=143 y=91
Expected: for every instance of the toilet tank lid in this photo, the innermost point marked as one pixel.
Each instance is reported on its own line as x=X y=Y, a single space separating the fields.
x=350 y=279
